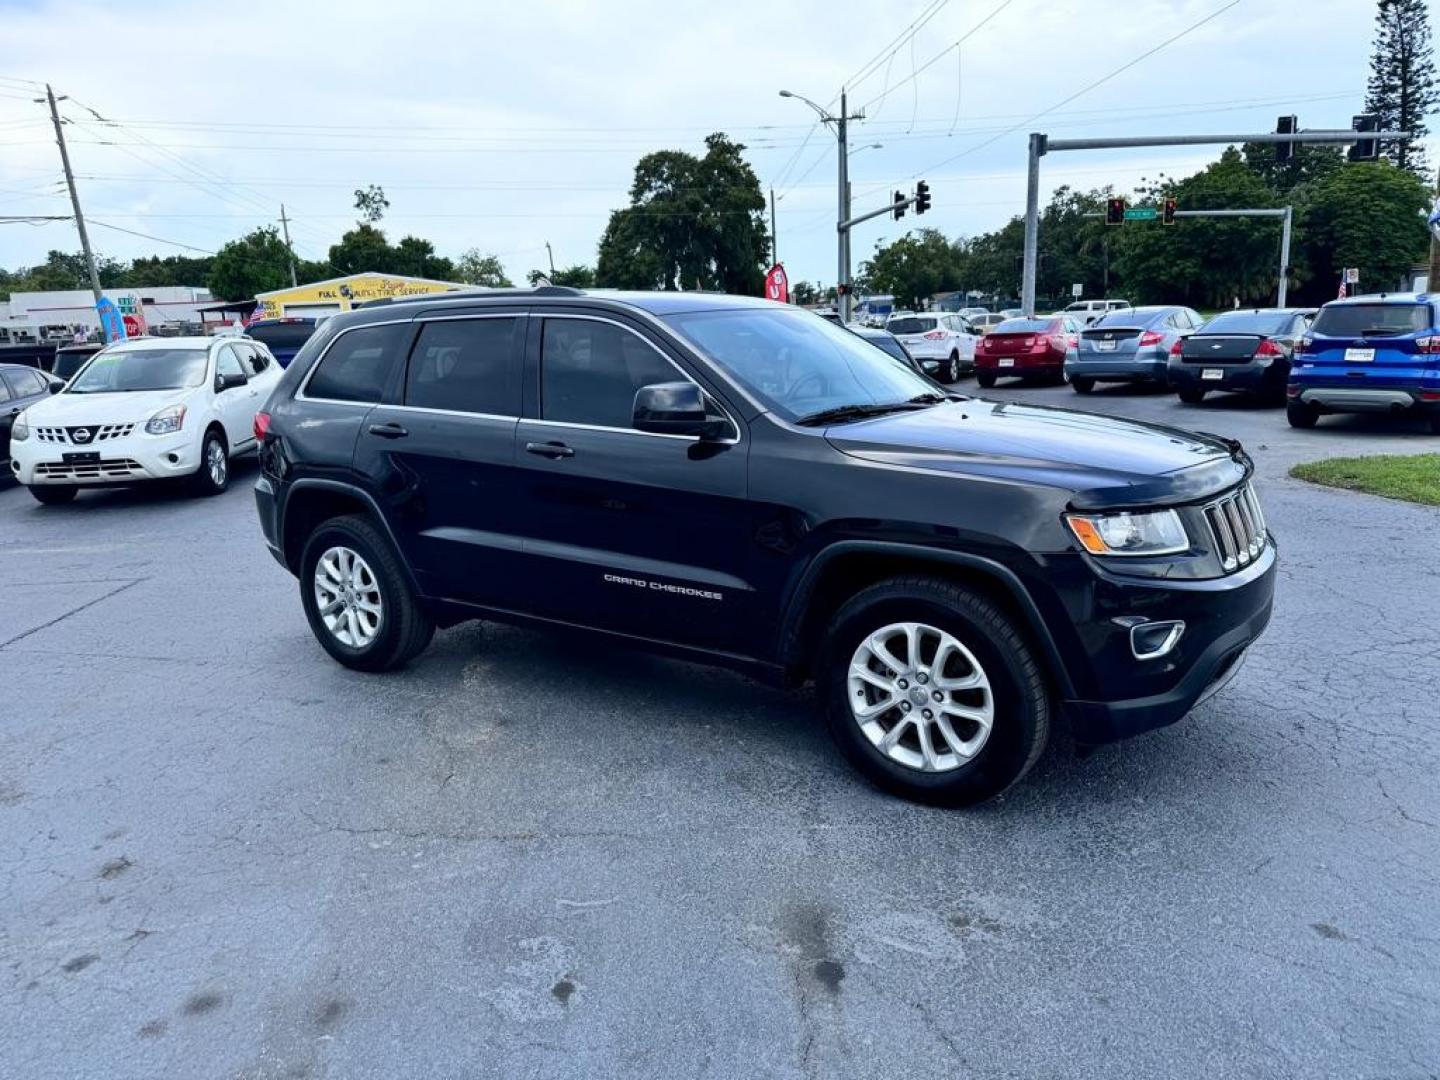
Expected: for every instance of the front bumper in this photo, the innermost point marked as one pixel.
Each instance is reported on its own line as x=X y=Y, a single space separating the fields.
x=135 y=458
x=1222 y=617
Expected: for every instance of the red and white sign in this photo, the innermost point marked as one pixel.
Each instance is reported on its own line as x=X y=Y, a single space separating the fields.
x=777 y=285
x=135 y=324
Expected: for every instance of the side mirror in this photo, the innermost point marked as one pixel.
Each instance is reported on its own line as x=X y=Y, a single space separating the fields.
x=676 y=408
x=56 y=385
x=229 y=382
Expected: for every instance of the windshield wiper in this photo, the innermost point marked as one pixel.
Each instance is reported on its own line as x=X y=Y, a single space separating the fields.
x=842 y=413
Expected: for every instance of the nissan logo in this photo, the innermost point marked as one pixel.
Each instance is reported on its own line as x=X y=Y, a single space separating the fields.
x=81 y=434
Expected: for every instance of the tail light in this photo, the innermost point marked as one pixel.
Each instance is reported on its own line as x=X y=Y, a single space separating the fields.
x=1151 y=337
x=1430 y=395
x=935 y=335
x=1429 y=344
x=1178 y=348
x=262 y=426
x=1057 y=341
x=1303 y=346
x=1292 y=389
x=1269 y=348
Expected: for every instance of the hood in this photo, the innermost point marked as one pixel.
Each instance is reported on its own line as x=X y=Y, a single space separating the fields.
x=68 y=410
x=1103 y=461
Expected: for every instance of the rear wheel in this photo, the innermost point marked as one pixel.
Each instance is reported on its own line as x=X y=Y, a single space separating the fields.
x=1435 y=423
x=1082 y=385
x=932 y=692
x=53 y=494
x=950 y=368
x=986 y=379
x=1191 y=395
x=357 y=598
x=1301 y=415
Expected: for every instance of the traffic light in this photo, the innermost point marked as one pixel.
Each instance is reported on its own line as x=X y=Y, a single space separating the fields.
x=922 y=197
x=1115 y=212
x=1286 y=125
x=1365 y=149
x=899 y=210
x=1167 y=212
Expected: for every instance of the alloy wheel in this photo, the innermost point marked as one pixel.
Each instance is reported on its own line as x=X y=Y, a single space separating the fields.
x=216 y=463
x=920 y=697
x=347 y=596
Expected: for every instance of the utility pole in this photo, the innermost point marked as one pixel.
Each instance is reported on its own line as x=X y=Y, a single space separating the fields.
x=285 y=226
x=774 y=233
x=551 y=255
x=74 y=195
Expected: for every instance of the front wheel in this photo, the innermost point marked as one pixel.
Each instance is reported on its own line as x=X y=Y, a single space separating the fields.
x=53 y=494
x=213 y=476
x=986 y=379
x=1301 y=415
x=1191 y=395
x=357 y=598
x=932 y=692
x=1081 y=385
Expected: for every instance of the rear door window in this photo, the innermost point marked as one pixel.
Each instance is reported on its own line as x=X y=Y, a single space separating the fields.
x=466 y=365
x=359 y=364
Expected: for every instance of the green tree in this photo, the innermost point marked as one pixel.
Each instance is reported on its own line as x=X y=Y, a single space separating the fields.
x=1369 y=216
x=372 y=203
x=693 y=222
x=1306 y=164
x=577 y=277
x=174 y=270
x=363 y=248
x=257 y=262
x=1401 y=91
x=476 y=268
x=912 y=268
x=417 y=258
x=806 y=293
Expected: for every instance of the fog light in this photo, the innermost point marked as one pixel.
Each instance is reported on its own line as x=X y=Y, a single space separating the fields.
x=173 y=458
x=1152 y=640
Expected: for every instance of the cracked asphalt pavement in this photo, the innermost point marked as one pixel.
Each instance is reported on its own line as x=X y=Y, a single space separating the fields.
x=222 y=855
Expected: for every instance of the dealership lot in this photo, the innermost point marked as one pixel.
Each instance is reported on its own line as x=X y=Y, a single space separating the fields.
x=225 y=855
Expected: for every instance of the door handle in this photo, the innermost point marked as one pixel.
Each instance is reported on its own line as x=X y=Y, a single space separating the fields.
x=549 y=449
x=388 y=431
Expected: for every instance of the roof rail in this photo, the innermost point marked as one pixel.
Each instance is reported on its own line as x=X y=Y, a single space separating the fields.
x=475 y=293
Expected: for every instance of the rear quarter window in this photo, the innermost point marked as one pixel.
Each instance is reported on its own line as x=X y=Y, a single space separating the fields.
x=360 y=364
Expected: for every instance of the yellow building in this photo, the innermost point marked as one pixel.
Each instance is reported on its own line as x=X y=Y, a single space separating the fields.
x=343 y=293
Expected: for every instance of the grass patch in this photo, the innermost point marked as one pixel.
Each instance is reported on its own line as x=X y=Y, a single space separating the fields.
x=1413 y=477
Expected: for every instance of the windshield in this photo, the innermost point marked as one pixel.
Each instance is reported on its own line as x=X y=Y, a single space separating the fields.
x=798 y=365
x=1249 y=322
x=1380 y=320
x=910 y=326
x=141 y=369
x=1079 y=305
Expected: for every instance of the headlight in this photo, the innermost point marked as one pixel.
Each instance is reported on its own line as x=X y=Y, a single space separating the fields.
x=19 y=431
x=1159 y=532
x=166 y=420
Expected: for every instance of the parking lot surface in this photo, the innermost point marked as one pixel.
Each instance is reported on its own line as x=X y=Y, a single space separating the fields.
x=221 y=854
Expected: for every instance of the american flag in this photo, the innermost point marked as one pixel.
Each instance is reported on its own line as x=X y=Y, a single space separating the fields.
x=1341 y=295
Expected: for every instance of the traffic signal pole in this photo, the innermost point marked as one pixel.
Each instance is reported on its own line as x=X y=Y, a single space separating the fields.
x=1041 y=144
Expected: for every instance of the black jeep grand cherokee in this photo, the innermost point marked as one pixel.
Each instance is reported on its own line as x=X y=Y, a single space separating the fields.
x=740 y=482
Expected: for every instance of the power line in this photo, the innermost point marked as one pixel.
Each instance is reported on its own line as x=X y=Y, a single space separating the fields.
x=147 y=236
x=943 y=53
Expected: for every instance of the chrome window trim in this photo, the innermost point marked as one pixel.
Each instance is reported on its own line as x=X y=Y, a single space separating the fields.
x=301 y=395
x=684 y=375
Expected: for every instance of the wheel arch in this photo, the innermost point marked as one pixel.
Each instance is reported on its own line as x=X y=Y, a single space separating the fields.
x=844 y=568
x=311 y=501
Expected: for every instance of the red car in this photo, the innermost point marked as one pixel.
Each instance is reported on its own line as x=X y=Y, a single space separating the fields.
x=1030 y=349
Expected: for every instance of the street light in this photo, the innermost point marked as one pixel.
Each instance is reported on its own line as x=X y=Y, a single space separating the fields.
x=867 y=146
x=842 y=228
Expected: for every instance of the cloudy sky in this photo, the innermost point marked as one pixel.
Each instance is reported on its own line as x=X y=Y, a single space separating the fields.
x=503 y=126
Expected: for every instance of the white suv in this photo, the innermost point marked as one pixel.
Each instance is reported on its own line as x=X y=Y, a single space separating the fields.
x=942 y=343
x=1087 y=311
x=148 y=409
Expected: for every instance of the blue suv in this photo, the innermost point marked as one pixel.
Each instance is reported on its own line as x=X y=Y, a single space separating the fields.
x=1368 y=354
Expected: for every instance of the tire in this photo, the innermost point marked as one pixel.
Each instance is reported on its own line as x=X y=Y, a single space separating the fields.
x=213 y=475
x=1300 y=415
x=401 y=628
x=950 y=370
x=985 y=379
x=989 y=644
x=53 y=494
x=1435 y=423
x=1191 y=395
x=1081 y=385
